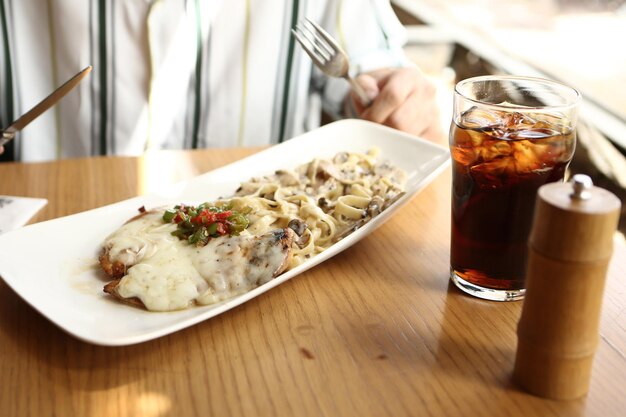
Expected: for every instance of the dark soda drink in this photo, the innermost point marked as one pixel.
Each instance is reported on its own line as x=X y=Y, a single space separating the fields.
x=499 y=160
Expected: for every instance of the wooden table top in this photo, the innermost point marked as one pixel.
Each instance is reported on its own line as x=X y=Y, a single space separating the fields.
x=377 y=330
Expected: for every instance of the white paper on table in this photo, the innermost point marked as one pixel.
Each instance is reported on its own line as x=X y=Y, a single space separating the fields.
x=15 y=212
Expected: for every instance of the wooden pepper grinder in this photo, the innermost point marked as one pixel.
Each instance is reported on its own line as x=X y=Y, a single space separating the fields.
x=570 y=246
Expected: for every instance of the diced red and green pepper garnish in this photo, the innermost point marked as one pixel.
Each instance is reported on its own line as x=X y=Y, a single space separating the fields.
x=199 y=224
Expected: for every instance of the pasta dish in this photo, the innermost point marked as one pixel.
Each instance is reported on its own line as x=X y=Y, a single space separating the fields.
x=170 y=259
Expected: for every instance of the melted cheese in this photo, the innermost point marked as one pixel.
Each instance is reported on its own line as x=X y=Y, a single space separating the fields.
x=170 y=274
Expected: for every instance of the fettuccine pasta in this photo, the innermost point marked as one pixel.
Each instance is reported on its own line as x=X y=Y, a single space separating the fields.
x=331 y=198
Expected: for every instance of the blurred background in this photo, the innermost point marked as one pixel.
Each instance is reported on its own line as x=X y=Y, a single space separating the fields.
x=578 y=42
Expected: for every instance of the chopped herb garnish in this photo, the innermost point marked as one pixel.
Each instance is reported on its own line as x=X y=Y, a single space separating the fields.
x=199 y=224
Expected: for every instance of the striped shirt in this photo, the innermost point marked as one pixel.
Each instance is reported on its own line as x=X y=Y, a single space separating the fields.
x=173 y=74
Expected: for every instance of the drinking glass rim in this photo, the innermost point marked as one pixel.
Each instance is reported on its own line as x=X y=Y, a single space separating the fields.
x=577 y=96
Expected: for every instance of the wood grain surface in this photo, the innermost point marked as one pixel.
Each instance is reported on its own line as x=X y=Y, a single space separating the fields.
x=375 y=331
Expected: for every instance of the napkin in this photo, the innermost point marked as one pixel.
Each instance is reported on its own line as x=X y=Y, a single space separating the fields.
x=17 y=211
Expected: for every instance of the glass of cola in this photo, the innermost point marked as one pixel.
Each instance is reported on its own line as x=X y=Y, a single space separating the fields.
x=509 y=136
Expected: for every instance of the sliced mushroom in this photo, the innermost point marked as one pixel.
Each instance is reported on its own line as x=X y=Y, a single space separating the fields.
x=269 y=196
x=375 y=207
x=287 y=178
x=323 y=203
x=327 y=170
x=341 y=157
x=298 y=226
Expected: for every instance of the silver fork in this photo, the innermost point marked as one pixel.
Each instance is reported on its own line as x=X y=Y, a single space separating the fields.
x=327 y=54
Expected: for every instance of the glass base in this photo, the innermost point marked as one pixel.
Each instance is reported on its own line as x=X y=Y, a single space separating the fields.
x=486 y=293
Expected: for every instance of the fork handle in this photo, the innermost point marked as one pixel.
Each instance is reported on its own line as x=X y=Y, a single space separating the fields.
x=356 y=87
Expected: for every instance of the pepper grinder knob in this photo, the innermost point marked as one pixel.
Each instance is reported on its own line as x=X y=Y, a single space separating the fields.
x=582 y=184
x=569 y=250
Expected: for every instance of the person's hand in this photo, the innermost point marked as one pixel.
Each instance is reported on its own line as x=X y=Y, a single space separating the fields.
x=402 y=98
x=1 y=149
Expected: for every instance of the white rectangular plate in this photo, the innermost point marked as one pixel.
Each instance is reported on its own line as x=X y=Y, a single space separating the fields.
x=53 y=264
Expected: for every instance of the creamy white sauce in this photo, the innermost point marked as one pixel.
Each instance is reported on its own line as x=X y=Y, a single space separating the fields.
x=170 y=274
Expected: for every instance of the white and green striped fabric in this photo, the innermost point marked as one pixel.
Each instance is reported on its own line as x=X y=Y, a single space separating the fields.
x=173 y=74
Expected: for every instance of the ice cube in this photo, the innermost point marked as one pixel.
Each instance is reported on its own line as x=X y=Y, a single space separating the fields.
x=527 y=156
x=464 y=155
x=516 y=121
x=494 y=149
x=494 y=173
x=532 y=134
x=476 y=137
x=475 y=117
x=497 y=132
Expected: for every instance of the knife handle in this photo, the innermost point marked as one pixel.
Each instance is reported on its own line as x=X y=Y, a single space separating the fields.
x=7 y=135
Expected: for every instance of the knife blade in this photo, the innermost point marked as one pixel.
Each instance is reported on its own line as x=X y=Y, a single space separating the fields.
x=42 y=106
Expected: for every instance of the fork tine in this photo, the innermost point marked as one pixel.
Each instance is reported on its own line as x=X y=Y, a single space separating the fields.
x=309 y=48
x=319 y=40
x=329 y=39
x=315 y=42
x=326 y=54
